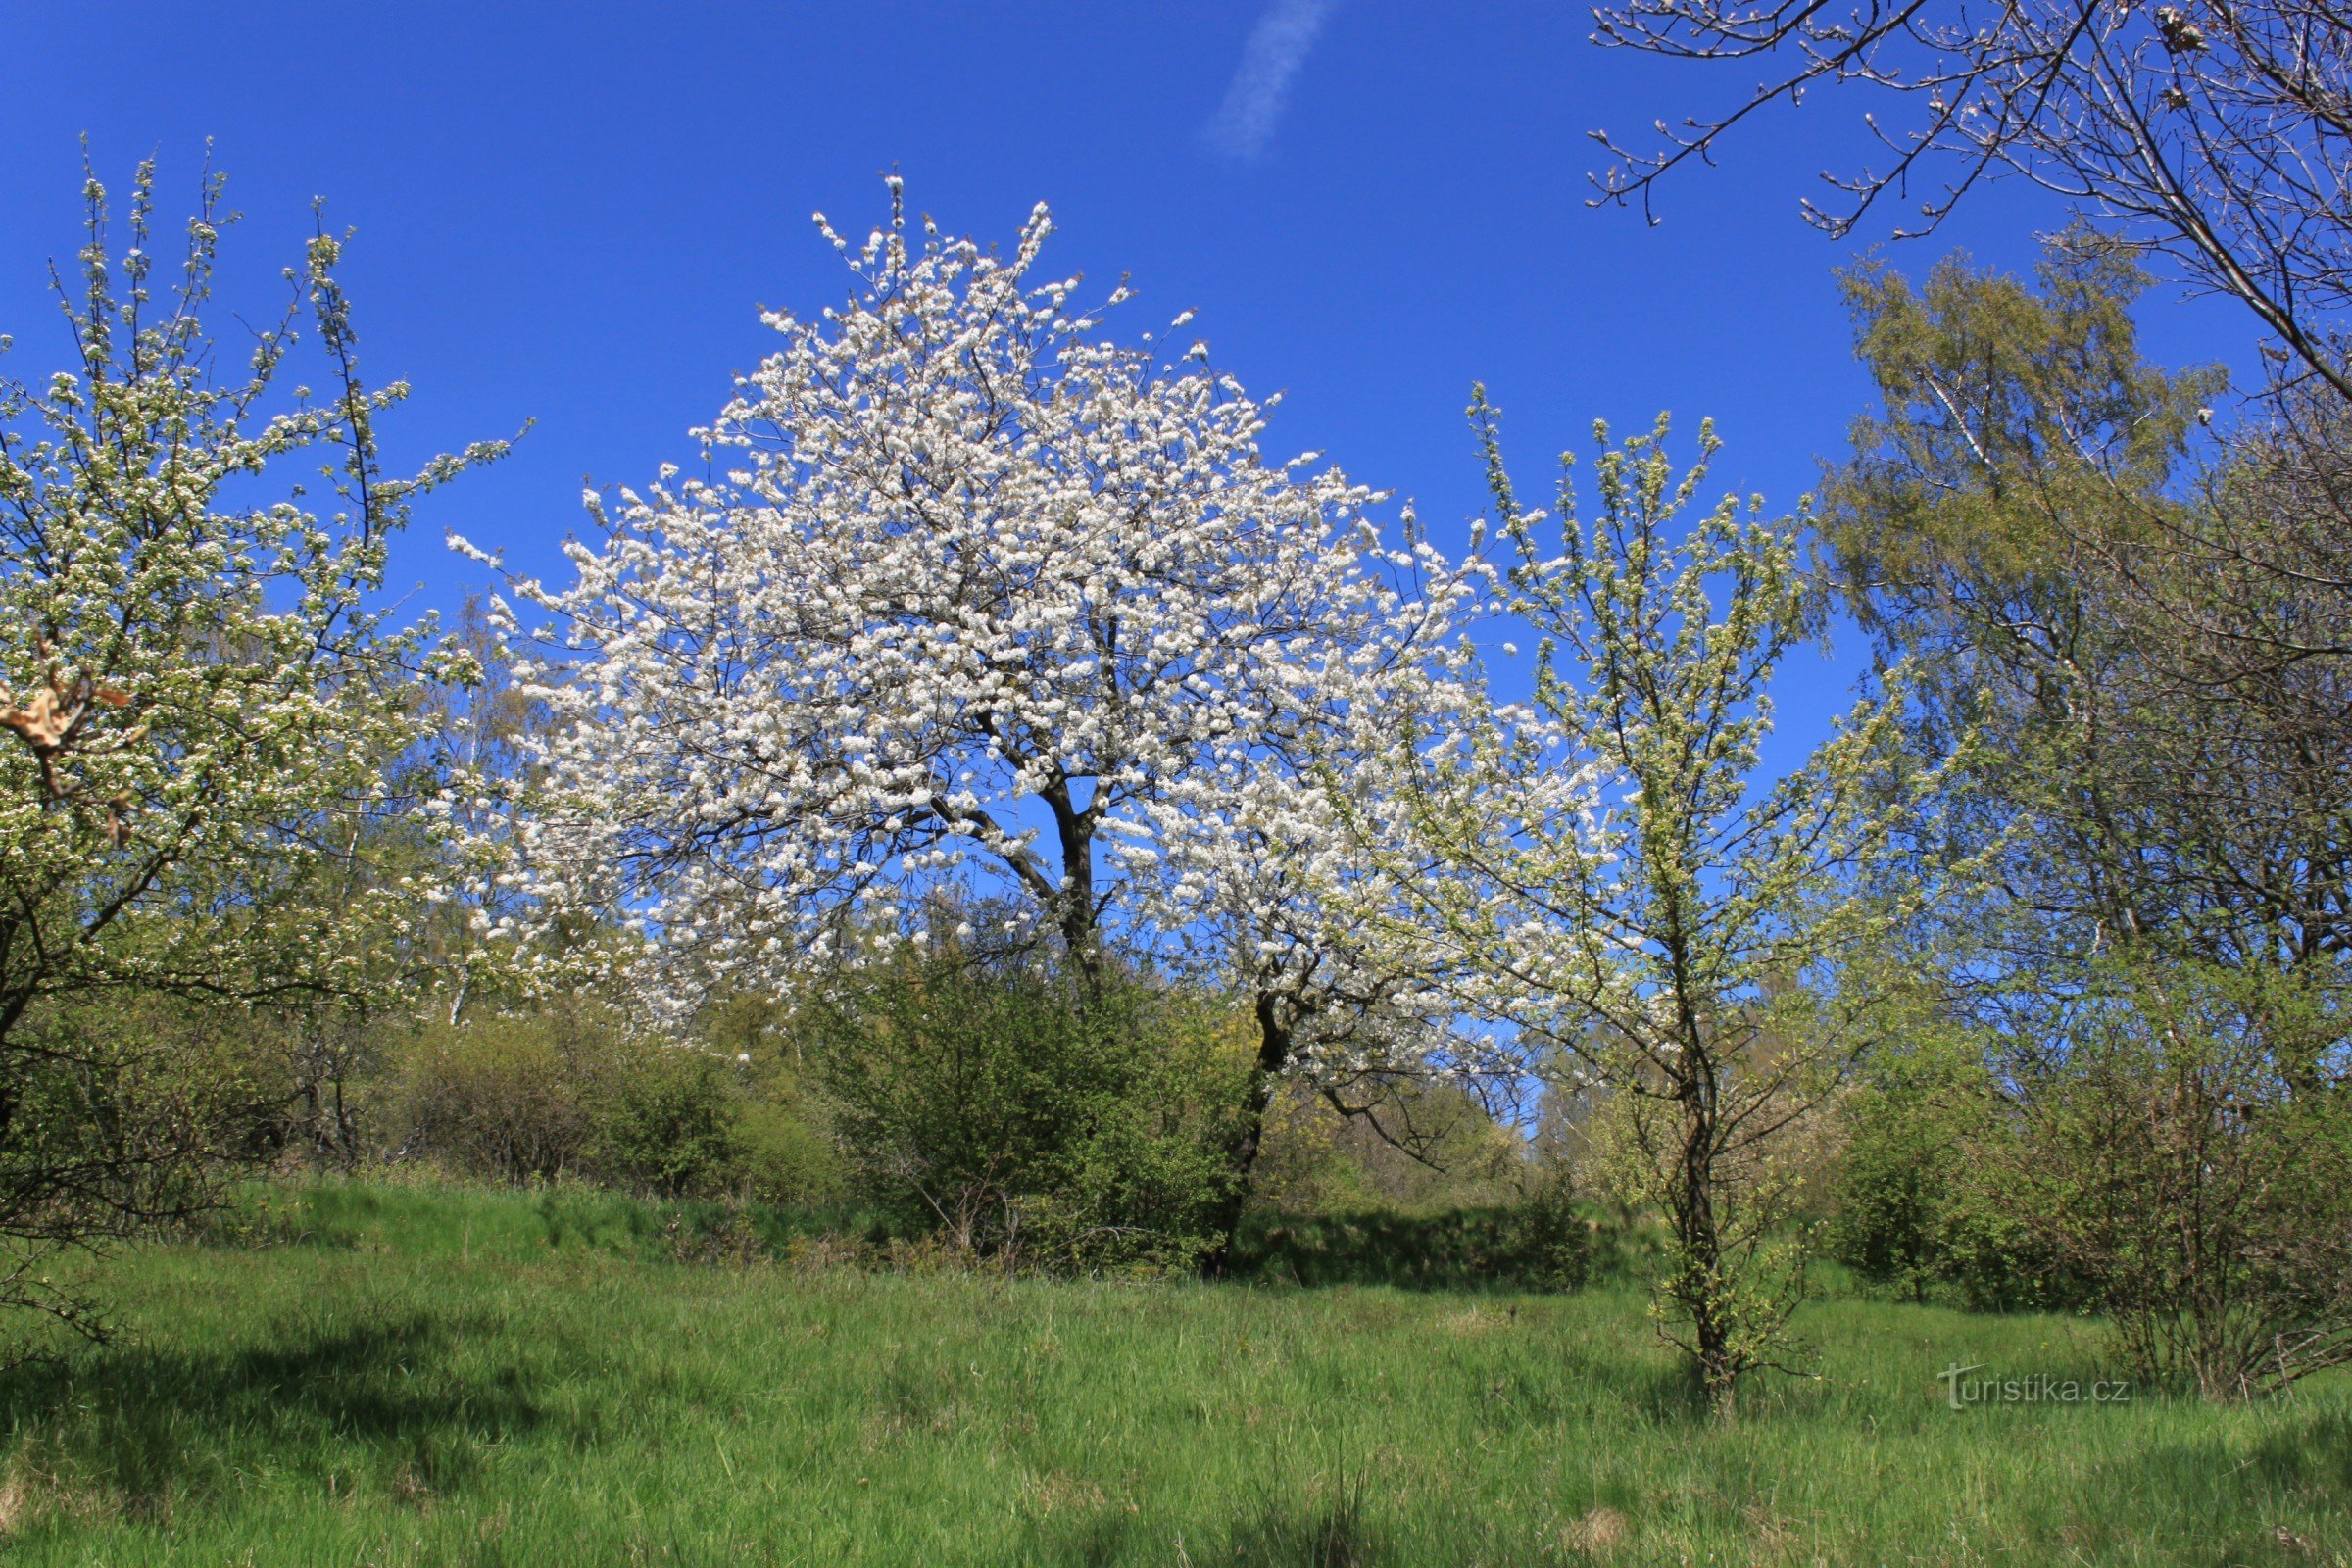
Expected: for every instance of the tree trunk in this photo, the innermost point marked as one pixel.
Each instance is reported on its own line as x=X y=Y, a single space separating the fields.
x=1274 y=1042
x=1701 y=1245
x=11 y=1010
x=1074 y=904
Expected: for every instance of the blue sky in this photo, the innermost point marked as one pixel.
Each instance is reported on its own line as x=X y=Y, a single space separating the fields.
x=569 y=215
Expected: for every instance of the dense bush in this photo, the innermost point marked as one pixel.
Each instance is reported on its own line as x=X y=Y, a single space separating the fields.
x=572 y=1090
x=499 y=1097
x=783 y=1148
x=2191 y=1151
x=1036 y=1116
x=2167 y=1146
x=1000 y=1110
x=117 y=1110
x=1411 y=1142
x=1924 y=1198
x=666 y=1119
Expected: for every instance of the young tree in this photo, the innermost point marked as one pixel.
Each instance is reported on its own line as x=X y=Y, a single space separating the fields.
x=199 y=688
x=1607 y=872
x=971 y=592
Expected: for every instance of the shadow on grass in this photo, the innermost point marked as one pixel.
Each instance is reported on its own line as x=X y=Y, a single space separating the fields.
x=2316 y=1454
x=1327 y=1526
x=1327 y=1531
x=1096 y=1542
x=375 y=1402
x=1535 y=1248
x=2307 y=1454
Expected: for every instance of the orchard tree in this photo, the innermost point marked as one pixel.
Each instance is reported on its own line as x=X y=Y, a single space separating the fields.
x=970 y=594
x=1285 y=898
x=200 y=693
x=1608 y=873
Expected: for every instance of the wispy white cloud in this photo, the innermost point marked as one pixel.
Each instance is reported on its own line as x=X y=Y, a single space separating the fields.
x=1244 y=123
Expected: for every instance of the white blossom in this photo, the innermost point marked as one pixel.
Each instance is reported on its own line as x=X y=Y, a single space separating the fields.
x=975 y=595
x=199 y=689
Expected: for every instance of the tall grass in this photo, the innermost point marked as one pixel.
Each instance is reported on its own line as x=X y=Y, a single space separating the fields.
x=437 y=1377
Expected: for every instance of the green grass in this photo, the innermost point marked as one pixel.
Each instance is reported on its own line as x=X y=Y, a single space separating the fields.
x=468 y=1378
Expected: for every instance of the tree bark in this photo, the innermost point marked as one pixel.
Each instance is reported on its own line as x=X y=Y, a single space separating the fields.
x=1275 y=1039
x=1074 y=903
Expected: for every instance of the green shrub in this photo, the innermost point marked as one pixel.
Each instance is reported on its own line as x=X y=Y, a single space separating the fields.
x=1039 y=1119
x=2189 y=1152
x=499 y=1096
x=120 y=1112
x=662 y=1118
x=571 y=1091
x=783 y=1151
x=783 y=1154
x=1923 y=1197
x=1412 y=1142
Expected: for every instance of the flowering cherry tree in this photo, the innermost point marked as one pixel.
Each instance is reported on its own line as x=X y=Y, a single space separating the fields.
x=198 y=698
x=970 y=593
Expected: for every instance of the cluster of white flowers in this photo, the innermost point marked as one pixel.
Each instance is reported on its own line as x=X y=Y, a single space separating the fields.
x=198 y=695
x=973 y=593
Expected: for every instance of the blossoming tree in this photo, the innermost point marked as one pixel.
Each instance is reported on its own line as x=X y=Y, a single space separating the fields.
x=198 y=695
x=972 y=593
x=1607 y=873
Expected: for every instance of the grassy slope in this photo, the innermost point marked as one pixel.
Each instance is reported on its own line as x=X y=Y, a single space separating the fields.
x=438 y=1384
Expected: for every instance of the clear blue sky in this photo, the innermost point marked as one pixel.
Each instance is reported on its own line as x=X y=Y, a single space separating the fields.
x=569 y=215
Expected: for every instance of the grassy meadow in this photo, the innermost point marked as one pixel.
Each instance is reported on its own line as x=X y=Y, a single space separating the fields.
x=391 y=1375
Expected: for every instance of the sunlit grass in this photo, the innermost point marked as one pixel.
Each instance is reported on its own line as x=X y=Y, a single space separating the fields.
x=443 y=1377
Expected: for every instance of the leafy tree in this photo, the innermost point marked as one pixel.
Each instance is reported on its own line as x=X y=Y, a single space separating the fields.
x=2217 y=137
x=2165 y=788
x=472 y=756
x=2166 y=764
x=198 y=686
x=1607 y=871
x=2018 y=426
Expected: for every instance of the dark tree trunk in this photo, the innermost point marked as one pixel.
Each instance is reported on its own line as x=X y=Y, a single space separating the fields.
x=1075 y=903
x=1275 y=1037
x=1701 y=1249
